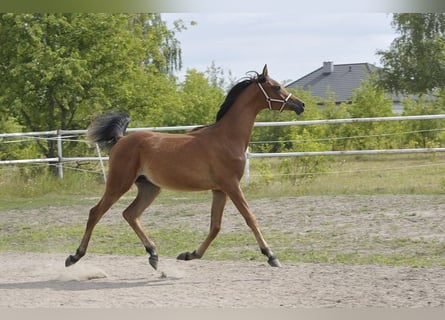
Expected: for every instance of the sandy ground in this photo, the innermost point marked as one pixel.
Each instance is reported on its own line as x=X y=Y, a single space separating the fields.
x=41 y=280
x=102 y=281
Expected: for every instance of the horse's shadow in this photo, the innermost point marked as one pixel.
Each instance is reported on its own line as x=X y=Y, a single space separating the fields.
x=75 y=285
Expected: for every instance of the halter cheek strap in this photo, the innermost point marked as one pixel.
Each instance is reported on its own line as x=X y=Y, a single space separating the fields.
x=270 y=100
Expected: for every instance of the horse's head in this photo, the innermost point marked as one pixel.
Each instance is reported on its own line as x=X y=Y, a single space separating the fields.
x=276 y=96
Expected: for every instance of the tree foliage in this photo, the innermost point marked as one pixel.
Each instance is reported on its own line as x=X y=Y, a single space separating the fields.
x=424 y=133
x=59 y=70
x=415 y=61
x=200 y=98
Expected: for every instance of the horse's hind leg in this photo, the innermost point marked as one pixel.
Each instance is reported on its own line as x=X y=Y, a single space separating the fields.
x=147 y=192
x=116 y=186
x=95 y=215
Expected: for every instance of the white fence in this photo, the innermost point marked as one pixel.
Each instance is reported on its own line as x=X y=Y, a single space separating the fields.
x=60 y=134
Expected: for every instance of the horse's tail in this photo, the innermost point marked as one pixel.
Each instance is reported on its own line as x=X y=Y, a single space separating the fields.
x=107 y=129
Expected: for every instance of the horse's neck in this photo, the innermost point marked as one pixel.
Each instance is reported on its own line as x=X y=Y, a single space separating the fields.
x=237 y=124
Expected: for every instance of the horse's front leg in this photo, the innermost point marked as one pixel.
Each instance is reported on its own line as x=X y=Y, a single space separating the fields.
x=238 y=199
x=218 y=204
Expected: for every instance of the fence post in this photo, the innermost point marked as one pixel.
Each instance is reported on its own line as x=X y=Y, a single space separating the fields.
x=59 y=154
x=101 y=163
x=247 y=169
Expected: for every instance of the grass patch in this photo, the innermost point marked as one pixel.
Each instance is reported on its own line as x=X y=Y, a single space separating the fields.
x=363 y=175
x=353 y=175
x=289 y=247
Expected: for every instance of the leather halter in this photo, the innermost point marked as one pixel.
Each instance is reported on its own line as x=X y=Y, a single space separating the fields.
x=270 y=100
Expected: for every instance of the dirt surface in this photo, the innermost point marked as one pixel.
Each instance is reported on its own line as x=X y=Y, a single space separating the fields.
x=41 y=280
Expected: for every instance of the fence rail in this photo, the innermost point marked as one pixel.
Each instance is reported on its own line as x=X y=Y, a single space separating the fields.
x=59 y=134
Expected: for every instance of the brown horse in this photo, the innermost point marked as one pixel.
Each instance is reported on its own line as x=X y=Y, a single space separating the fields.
x=207 y=158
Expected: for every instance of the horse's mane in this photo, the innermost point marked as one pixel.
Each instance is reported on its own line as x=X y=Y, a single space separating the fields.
x=234 y=93
x=232 y=96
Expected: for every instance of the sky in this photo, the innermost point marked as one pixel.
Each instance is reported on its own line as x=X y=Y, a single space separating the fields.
x=291 y=44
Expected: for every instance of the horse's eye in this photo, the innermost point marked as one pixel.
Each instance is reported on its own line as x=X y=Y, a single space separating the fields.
x=276 y=88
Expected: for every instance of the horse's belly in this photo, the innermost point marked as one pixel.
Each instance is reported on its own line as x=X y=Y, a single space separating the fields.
x=181 y=181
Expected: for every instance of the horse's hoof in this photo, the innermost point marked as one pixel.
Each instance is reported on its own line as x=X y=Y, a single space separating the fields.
x=153 y=260
x=274 y=262
x=187 y=256
x=70 y=261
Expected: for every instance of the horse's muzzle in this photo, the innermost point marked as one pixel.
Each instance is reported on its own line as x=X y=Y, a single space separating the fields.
x=297 y=106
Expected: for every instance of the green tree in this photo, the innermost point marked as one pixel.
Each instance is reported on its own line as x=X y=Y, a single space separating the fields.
x=218 y=79
x=415 y=61
x=11 y=148
x=201 y=98
x=60 y=70
x=424 y=133
x=336 y=134
x=370 y=101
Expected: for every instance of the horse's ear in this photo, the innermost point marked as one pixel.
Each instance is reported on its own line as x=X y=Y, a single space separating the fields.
x=263 y=77
x=264 y=74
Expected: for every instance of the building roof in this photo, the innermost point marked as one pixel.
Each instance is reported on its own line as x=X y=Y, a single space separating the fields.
x=340 y=79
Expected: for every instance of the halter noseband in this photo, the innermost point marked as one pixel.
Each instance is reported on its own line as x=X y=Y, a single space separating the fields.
x=270 y=100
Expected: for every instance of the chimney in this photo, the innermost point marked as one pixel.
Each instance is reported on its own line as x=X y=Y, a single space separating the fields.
x=328 y=67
